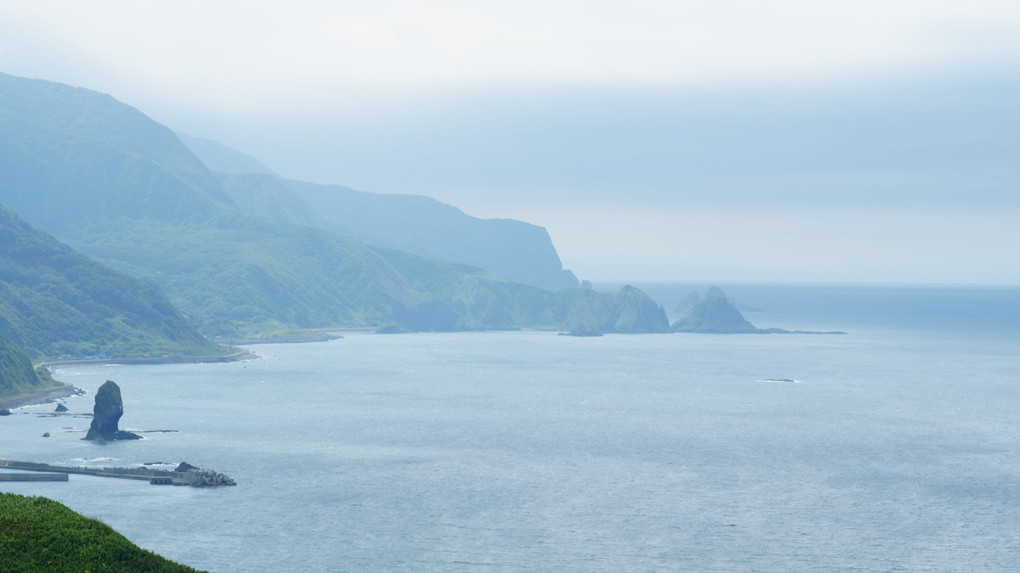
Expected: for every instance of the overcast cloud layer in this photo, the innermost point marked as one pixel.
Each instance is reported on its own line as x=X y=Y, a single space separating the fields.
x=742 y=140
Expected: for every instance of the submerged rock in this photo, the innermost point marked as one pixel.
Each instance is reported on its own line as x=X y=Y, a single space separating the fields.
x=582 y=331
x=60 y=408
x=107 y=412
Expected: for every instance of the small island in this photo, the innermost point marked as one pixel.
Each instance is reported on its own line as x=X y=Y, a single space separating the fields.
x=715 y=314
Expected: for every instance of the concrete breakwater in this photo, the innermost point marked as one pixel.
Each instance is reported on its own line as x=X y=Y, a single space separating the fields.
x=190 y=476
x=33 y=477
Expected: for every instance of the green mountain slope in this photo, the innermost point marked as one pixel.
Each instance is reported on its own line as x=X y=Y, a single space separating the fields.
x=69 y=154
x=39 y=534
x=16 y=373
x=56 y=302
x=162 y=216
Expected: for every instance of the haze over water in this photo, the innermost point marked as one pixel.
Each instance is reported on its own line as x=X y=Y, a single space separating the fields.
x=894 y=449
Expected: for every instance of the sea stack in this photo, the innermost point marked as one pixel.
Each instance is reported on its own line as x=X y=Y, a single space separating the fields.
x=107 y=412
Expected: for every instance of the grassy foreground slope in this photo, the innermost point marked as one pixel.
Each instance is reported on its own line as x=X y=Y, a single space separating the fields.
x=39 y=534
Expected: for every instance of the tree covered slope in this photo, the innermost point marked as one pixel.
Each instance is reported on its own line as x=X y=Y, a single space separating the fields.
x=16 y=373
x=57 y=302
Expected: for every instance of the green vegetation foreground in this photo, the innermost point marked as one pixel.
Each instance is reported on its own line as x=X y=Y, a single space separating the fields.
x=39 y=534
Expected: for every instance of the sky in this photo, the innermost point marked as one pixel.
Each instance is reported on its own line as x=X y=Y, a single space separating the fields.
x=725 y=140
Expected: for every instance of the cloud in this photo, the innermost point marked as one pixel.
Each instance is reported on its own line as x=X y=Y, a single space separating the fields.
x=664 y=243
x=883 y=130
x=935 y=142
x=258 y=55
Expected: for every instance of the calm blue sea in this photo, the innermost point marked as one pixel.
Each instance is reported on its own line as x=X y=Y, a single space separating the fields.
x=896 y=448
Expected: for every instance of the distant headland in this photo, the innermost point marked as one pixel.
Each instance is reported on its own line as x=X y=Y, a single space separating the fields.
x=716 y=314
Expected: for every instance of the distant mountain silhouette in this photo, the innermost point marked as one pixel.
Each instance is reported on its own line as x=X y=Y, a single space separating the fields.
x=119 y=187
x=416 y=224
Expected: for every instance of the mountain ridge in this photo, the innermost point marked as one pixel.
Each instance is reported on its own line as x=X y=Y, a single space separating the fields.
x=417 y=224
x=155 y=211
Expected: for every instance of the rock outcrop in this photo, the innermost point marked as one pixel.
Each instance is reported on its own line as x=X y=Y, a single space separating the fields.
x=107 y=412
x=184 y=467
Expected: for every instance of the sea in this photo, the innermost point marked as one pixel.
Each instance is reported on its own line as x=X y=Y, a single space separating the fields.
x=894 y=447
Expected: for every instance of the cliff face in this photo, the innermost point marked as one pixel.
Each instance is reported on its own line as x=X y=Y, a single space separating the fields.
x=515 y=250
x=714 y=315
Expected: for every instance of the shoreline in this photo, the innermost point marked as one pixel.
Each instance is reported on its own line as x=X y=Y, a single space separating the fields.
x=41 y=397
x=235 y=357
x=49 y=395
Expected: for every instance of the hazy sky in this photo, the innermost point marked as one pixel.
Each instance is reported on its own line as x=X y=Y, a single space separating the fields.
x=866 y=141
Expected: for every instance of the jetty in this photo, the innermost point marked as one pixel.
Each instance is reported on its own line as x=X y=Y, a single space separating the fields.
x=185 y=474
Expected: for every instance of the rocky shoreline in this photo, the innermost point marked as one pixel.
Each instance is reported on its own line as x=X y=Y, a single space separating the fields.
x=52 y=394
x=42 y=397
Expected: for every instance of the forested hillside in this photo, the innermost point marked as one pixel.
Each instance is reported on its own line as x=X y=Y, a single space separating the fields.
x=55 y=302
x=16 y=373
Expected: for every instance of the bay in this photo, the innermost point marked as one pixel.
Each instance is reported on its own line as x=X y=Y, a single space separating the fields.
x=893 y=448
